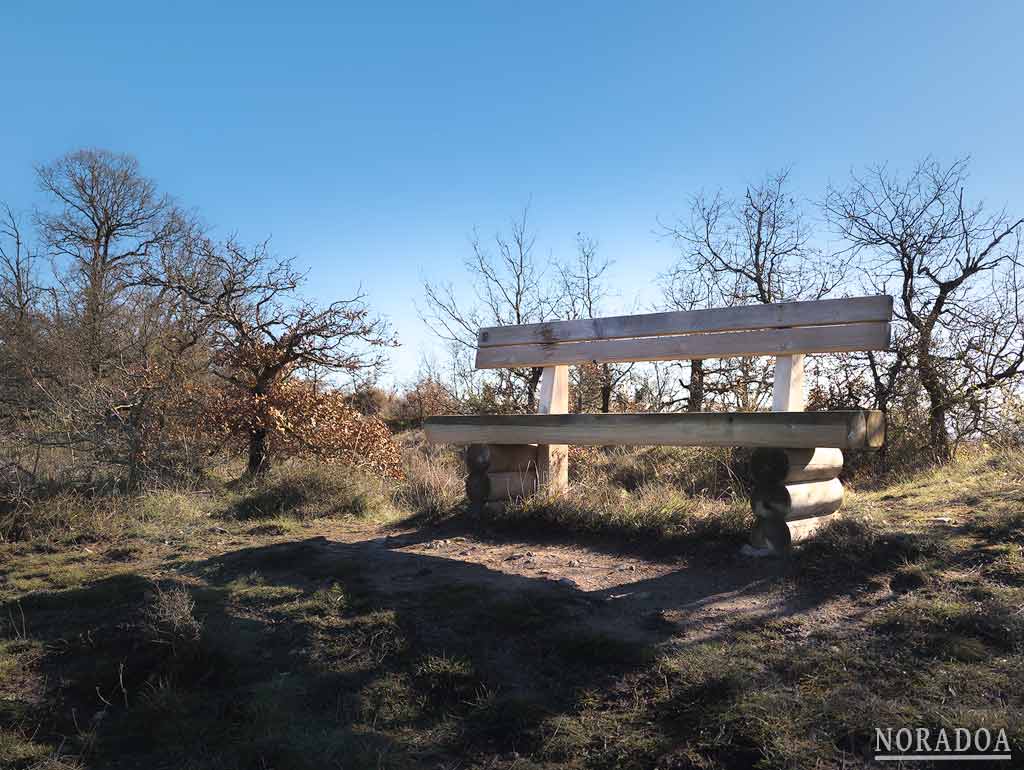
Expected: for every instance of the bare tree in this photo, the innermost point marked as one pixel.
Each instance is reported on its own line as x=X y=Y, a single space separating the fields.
x=20 y=290
x=109 y=221
x=954 y=269
x=583 y=292
x=97 y=357
x=508 y=289
x=20 y=320
x=684 y=288
x=757 y=249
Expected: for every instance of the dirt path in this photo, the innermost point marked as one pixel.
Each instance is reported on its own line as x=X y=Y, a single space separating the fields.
x=623 y=590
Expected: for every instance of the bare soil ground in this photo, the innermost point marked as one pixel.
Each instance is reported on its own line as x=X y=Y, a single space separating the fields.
x=621 y=590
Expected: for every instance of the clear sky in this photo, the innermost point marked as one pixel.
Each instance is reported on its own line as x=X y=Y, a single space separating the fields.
x=369 y=139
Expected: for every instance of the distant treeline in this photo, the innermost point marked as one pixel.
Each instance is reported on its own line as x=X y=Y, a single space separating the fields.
x=134 y=344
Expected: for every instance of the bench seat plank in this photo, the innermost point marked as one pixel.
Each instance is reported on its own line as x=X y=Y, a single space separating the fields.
x=774 y=316
x=771 y=342
x=859 y=429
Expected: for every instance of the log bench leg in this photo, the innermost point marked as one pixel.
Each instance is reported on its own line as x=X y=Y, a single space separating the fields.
x=499 y=473
x=478 y=484
x=795 y=490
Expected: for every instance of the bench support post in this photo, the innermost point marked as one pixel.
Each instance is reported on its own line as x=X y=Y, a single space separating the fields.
x=553 y=459
x=788 y=391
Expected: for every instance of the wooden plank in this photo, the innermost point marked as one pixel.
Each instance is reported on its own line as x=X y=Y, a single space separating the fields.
x=775 y=316
x=478 y=458
x=874 y=430
x=814 y=498
x=478 y=490
x=774 y=342
x=778 y=536
x=858 y=429
x=553 y=459
x=788 y=388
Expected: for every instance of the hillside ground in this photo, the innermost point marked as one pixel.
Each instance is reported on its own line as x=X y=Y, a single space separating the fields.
x=322 y=620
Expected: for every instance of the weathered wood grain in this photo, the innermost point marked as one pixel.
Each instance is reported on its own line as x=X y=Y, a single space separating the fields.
x=478 y=490
x=478 y=458
x=788 y=388
x=553 y=459
x=509 y=458
x=860 y=429
x=804 y=528
x=797 y=501
x=789 y=466
x=780 y=315
x=772 y=342
x=513 y=485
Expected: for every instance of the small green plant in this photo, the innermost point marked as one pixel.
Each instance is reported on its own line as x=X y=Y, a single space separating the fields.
x=333 y=600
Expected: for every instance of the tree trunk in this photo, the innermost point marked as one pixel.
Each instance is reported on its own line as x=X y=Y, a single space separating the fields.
x=606 y=389
x=695 y=402
x=258 y=460
x=531 y=389
x=134 y=469
x=92 y=332
x=933 y=386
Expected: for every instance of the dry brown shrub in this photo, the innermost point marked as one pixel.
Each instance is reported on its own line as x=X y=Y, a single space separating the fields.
x=303 y=421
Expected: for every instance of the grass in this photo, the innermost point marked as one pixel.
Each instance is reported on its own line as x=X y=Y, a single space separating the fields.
x=312 y=491
x=213 y=628
x=695 y=471
x=434 y=486
x=655 y=511
x=675 y=496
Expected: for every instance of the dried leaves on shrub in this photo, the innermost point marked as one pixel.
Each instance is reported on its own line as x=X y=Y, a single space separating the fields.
x=305 y=422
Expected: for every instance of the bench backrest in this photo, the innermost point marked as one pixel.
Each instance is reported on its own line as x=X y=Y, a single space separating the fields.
x=783 y=329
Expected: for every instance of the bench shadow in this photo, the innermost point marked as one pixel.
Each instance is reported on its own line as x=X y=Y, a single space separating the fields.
x=709 y=546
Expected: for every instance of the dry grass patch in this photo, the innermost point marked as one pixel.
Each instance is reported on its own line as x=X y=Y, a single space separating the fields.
x=170 y=620
x=655 y=510
x=304 y=492
x=434 y=483
x=695 y=471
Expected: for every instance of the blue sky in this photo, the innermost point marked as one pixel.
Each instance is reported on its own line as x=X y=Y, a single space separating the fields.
x=368 y=140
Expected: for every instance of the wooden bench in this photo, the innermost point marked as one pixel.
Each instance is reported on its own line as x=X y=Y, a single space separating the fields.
x=798 y=454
